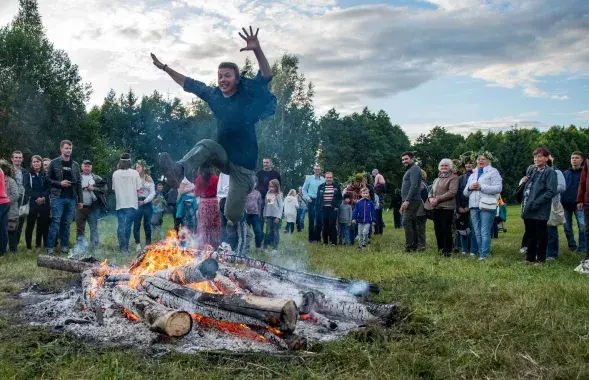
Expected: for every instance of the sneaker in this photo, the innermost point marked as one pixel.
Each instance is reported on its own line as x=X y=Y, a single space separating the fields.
x=138 y=248
x=482 y=258
x=173 y=171
x=551 y=259
x=523 y=250
x=464 y=253
x=473 y=254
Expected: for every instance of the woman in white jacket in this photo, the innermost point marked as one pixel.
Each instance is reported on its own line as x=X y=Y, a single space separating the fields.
x=482 y=189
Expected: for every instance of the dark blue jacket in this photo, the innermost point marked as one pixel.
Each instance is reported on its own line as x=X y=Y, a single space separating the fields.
x=36 y=187
x=572 y=178
x=364 y=211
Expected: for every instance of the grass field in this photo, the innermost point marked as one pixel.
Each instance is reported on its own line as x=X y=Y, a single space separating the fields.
x=466 y=319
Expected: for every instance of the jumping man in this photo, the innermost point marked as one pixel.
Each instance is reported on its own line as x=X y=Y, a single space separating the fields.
x=238 y=104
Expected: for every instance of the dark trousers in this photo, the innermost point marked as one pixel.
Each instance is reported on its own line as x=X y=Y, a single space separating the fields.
x=144 y=213
x=4 y=227
x=125 y=218
x=255 y=221
x=289 y=227
x=537 y=234
x=586 y=217
x=224 y=238
x=378 y=228
x=21 y=224
x=443 y=228
x=313 y=235
x=40 y=218
x=328 y=225
x=397 y=218
x=272 y=232
x=410 y=224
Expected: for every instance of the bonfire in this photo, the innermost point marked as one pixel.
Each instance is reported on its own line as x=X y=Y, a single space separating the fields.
x=174 y=290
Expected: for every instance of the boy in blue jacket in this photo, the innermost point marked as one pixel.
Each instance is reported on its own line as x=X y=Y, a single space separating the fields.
x=364 y=214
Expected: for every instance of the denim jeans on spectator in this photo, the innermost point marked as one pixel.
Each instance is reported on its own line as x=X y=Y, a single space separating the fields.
x=254 y=221
x=553 y=241
x=344 y=233
x=482 y=223
x=464 y=242
x=125 y=218
x=569 y=231
x=144 y=212
x=272 y=233
x=59 y=207
x=301 y=218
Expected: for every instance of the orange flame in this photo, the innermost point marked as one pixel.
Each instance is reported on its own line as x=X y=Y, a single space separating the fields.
x=228 y=327
x=274 y=331
x=204 y=286
x=305 y=317
x=130 y=316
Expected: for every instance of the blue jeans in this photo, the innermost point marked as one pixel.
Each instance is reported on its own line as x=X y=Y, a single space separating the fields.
x=125 y=218
x=254 y=221
x=301 y=218
x=272 y=232
x=463 y=242
x=552 y=247
x=482 y=223
x=59 y=207
x=568 y=230
x=144 y=212
x=344 y=233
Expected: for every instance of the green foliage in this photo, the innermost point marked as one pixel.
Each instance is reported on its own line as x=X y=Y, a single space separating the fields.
x=435 y=146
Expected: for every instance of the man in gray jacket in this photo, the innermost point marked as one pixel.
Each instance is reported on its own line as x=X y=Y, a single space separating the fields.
x=410 y=194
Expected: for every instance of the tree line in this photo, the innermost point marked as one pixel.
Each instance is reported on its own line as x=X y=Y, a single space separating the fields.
x=43 y=101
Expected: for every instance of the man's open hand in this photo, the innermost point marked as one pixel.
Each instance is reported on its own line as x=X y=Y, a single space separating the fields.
x=156 y=62
x=250 y=38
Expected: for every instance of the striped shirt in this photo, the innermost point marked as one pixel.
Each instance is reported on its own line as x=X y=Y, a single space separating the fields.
x=328 y=195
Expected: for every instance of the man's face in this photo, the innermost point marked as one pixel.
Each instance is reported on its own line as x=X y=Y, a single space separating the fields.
x=66 y=150
x=160 y=188
x=406 y=160
x=317 y=170
x=86 y=169
x=329 y=178
x=227 y=81
x=17 y=159
x=267 y=164
x=46 y=164
x=36 y=164
x=576 y=160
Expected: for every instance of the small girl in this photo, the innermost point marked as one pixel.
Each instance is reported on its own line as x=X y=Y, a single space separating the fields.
x=273 y=214
x=290 y=210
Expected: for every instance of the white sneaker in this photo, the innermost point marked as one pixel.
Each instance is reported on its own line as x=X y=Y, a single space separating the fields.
x=138 y=248
x=523 y=250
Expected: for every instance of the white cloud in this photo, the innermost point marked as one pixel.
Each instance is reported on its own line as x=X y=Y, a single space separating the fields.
x=351 y=55
x=584 y=115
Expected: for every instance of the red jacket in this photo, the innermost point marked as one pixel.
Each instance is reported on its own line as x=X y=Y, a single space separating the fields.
x=583 y=193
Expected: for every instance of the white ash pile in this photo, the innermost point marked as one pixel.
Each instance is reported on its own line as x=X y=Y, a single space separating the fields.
x=173 y=297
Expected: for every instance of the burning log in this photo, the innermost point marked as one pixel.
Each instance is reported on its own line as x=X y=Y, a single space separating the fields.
x=193 y=272
x=226 y=285
x=289 y=341
x=358 y=312
x=59 y=263
x=323 y=321
x=117 y=277
x=249 y=310
x=301 y=277
x=159 y=318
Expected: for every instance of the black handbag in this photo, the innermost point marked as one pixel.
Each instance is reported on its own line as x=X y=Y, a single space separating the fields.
x=519 y=193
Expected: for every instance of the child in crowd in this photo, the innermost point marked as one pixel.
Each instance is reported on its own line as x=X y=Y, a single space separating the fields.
x=291 y=206
x=187 y=205
x=273 y=214
x=345 y=220
x=253 y=209
x=364 y=215
x=159 y=207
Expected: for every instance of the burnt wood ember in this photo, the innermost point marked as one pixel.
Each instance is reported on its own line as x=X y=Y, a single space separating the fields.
x=250 y=310
x=59 y=263
x=227 y=286
x=362 y=313
x=159 y=318
x=193 y=272
x=286 y=341
x=323 y=320
x=301 y=277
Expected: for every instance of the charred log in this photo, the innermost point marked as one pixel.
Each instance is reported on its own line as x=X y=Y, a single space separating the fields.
x=159 y=318
x=362 y=313
x=193 y=272
x=59 y=263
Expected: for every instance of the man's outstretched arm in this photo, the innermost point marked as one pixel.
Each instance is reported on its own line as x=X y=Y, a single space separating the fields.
x=176 y=76
x=253 y=44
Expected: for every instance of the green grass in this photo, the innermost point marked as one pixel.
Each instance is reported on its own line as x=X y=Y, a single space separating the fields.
x=467 y=320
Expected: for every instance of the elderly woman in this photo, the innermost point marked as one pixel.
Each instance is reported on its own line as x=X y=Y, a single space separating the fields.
x=482 y=189
x=540 y=189
x=442 y=198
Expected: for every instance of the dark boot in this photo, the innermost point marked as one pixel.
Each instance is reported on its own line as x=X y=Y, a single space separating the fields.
x=173 y=171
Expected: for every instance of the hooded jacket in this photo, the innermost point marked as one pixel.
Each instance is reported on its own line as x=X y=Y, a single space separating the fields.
x=572 y=179
x=364 y=212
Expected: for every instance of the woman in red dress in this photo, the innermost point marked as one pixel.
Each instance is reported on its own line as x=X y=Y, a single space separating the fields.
x=209 y=216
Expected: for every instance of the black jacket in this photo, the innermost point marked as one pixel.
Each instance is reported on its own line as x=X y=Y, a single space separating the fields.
x=542 y=188
x=36 y=186
x=335 y=202
x=55 y=176
x=461 y=200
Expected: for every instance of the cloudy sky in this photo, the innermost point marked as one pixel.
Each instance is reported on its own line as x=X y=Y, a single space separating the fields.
x=462 y=64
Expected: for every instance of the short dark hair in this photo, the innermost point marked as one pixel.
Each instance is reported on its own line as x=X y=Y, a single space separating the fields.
x=407 y=153
x=124 y=164
x=577 y=153
x=230 y=65
x=542 y=151
x=7 y=168
x=64 y=142
x=16 y=152
x=36 y=157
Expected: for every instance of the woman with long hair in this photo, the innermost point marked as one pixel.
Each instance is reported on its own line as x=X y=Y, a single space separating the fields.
x=208 y=214
x=274 y=206
x=144 y=212
x=37 y=191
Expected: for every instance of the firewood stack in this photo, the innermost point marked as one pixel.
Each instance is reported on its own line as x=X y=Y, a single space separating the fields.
x=169 y=288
